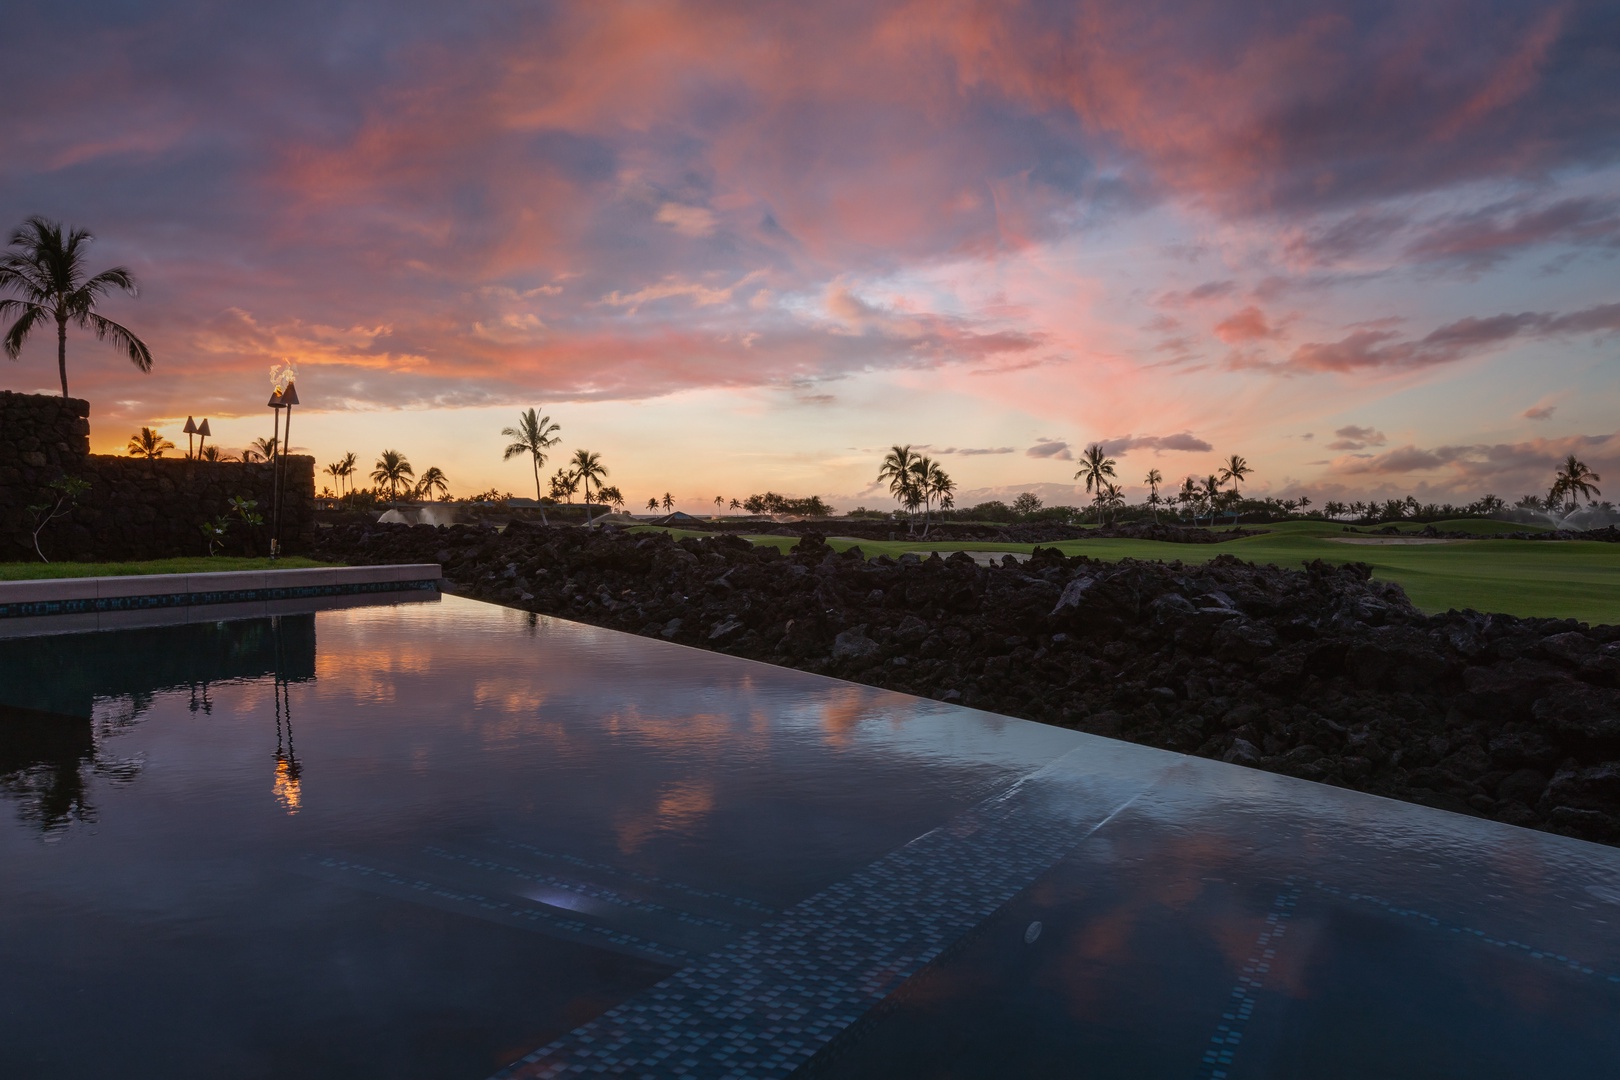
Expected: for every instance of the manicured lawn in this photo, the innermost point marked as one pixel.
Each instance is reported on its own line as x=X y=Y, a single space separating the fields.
x=32 y=571
x=1566 y=580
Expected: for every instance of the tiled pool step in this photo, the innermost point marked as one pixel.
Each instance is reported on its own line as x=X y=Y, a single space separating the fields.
x=765 y=1004
x=100 y=603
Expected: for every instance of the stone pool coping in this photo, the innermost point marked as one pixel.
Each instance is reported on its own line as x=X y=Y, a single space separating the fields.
x=114 y=596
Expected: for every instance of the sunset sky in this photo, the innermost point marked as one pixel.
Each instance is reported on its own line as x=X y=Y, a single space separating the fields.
x=1372 y=247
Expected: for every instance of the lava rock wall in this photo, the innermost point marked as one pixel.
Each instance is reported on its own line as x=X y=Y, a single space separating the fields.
x=135 y=508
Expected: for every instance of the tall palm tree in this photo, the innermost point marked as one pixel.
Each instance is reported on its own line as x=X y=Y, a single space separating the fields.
x=1212 y=494
x=652 y=504
x=939 y=487
x=1233 y=472
x=736 y=504
x=1096 y=468
x=589 y=468
x=433 y=480
x=147 y=444
x=534 y=435
x=1111 y=498
x=392 y=469
x=611 y=496
x=48 y=272
x=719 y=504
x=1573 y=480
x=669 y=501
x=897 y=470
x=335 y=471
x=348 y=464
x=1153 y=480
x=1188 y=497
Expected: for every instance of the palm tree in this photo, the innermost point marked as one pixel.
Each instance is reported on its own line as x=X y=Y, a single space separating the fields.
x=534 y=435
x=669 y=501
x=1153 y=480
x=1096 y=468
x=563 y=485
x=1111 y=497
x=260 y=450
x=392 y=469
x=938 y=485
x=348 y=464
x=147 y=444
x=897 y=470
x=1574 y=481
x=49 y=273
x=213 y=453
x=719 y=504
x=1188 y=497
x=611 y=496
x=1234 y=471
x=1212 y=493
x=589 y=468
x=335 y=471
x=652 y=504
x=736 y=504
x=433 y=480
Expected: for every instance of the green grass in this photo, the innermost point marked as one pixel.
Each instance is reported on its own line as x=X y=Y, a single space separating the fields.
x=33 y=571
x=1568 y=580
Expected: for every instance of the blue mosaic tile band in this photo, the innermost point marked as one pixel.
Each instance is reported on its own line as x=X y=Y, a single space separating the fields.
x=764 y=1004
x=94 y=605
x=1223 y=1045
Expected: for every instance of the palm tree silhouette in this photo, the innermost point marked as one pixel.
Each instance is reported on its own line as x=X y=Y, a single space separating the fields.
x=938 y=486
x=897 y=470
x=563 y=485
x=1234 y=471
x=335 y=471
x=260 y=450
x=1095 y=469
x=1574 y=480
x=147 y=444
x=392 y=469
x=49 y=273
x=719 y=504
x=736 y=504
x=433 y=480
x=1212 y=495
x=1153 y=480
x=213 y=453
x=669 y=501
x=589 y=468
x=347 y=464
x=534 y=435
x=652 y=504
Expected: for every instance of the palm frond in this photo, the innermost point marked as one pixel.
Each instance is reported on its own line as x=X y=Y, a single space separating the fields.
x=31 y=315
x=122 y=339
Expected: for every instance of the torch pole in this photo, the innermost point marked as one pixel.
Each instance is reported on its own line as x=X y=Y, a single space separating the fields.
x=275 y=472
x=281 y=468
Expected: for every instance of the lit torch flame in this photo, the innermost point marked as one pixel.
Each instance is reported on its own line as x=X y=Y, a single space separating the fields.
x=282 y=376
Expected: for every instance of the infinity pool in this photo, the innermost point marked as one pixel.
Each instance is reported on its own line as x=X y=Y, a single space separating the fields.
x=451 y=840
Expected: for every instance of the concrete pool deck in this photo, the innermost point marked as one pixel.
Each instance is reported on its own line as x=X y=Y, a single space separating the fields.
x=66 y=605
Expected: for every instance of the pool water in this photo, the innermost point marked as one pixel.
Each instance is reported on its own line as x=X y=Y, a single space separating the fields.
x=454 y=840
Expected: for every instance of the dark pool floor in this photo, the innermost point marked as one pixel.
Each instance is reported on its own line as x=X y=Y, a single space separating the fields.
x=451 y=840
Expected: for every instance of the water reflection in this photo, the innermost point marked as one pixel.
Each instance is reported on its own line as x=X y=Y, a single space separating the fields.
x=61 y=704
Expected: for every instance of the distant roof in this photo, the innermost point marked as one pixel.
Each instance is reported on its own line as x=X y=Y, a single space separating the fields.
x=677 y=518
